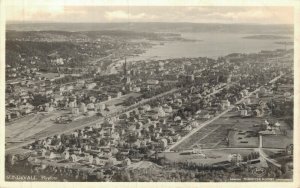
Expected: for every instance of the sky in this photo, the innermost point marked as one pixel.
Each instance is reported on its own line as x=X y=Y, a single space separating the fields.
x=76 y=11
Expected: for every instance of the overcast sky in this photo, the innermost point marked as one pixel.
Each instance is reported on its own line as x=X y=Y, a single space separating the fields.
x=60 y=11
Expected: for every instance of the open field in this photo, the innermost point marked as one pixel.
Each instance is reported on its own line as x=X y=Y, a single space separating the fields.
x=215 y=134
x=28 y=126
x=207 y=137
x=273 y=153
x=41 y=130
x=242 y=139
x=211 y=156
x=276 y=141
x=121 y=99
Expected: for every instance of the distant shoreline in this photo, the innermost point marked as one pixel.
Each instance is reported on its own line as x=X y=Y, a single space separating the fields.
x=155 y=27
x=266 y=37
x=285 y=43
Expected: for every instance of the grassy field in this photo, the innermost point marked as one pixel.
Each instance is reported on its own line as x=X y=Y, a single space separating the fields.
x=28 y=126
x=215 y=134
x=39 y=126
x=211 y=156
x=276 y=141
x=123 y=98
x=242 y=139
x=273 y=153
x=206 y=137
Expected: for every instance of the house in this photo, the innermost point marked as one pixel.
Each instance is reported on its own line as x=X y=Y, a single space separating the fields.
x=48 y=92
x=111 y=161
x=257 y=113
x=158 y=130
x=100 y=107
x=290 y=149
x=132 y=128
x=168 y=109
x=65 y=155
x=152 y=82
x=147 y=107
x=49 y=109
x=225 y=103
x=147 y=139
x=154 y=117
x=207 y=116
x=73 y=158
x=170 y=140
x=235 y=158
x=177 y=119
x=276 y=126
x=267 y=132
x=137 y=144
x=187 y=128
x=99 y=161
x=197 y=151
x=161 y=113
x=75 y=134
x=73 y=104
x=8 y=117
x=58 y=98
x=244 y=113
x=163 y=121
x=26 y=110
x=91 y=159
x=245 y=92
x=262 y=91
x=54 y=155
x=176 y=137
x=82 y=108
x=126 y=162
x=62 y=88
x=136 y=89
x=194 y=124
x=119 y=94
x=80 y=82
x=91 y=85
x=69 y=88
x=247 y=101
x=90 y=106
x=92 y=99
x=75 y=110
x=163 y=143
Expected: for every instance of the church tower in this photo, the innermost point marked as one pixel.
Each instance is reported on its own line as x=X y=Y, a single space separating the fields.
x=125 y=68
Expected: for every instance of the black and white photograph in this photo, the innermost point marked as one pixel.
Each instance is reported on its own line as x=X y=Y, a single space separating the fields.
x=125 y=93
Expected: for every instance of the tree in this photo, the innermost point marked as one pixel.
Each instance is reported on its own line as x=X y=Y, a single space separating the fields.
x=9 y=162
x=278 y=173
x=126 y=177
x=39 y=100
x=284 y=168
x=131 y=139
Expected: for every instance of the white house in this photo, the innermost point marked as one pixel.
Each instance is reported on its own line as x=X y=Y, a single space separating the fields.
x=91 y=85
x=75 y=110
x=65 y=155
x=236 y=157
x=126 y=162
x=163 y=143
x=152 y=82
